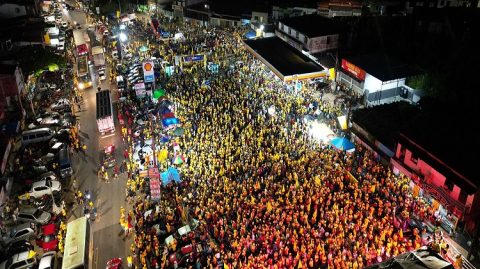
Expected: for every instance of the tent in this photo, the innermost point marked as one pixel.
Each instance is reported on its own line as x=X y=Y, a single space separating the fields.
x=158 y=93
x=423 y=258
x=250 y=34
x=170 y=175
x=179 y=131
x=179 y=159
x=170 y=121
x=342 y=143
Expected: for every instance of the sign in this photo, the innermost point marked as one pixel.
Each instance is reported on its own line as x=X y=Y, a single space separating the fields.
x=194 y=58
x=140 y=90
x=353 y=69
x=148 y=73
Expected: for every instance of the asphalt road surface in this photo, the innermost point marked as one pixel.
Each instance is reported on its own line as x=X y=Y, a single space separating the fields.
x=108 y=197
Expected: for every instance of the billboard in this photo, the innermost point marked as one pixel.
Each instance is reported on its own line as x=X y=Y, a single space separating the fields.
x=148 y=73
x=353 y=70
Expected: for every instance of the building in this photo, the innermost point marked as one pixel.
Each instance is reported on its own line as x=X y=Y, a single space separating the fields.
x=410 y=5
x=19 y=8
x=311 y=33
x=20 y=32
x=378 y=77
x=12 y=87
x=336 y=8
x=423 y=144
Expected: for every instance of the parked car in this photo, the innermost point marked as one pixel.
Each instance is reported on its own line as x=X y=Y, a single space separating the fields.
x=19 y=246
x=44 y=187
x=34 y=215
x=20 y=232
x=101 y=75
x=20 y=261
x=48 y=261
x=60 y=104
x=48 y=238
x=115 y=263
x=48 y=176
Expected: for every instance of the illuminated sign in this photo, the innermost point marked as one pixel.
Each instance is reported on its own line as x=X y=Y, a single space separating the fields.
x=353 y=69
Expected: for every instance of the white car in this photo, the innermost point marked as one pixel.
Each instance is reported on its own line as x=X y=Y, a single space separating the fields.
x=101 y=75
x=48 y=261
x=19 y=261
x=51 y=175
x=60 y=104
x=61 y=38
x=44 y=187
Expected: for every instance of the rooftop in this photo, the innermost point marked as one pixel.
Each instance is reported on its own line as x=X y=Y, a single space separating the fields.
x=313 y=25
x=383 y=67
x=281 y=56
x=441 y=132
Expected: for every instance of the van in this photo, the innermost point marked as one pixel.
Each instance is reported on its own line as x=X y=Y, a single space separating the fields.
x=37 y=136
x=64 y=163
x=120 y=83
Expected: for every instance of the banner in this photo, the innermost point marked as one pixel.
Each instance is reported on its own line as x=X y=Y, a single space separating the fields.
x=194 y=58
x=140 y=90
x=148 y=73
x=353 y=69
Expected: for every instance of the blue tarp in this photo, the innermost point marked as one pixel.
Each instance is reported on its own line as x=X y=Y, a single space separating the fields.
x=250 y=34
x=342 y=143
x=170 y=175
x=170 y=121
x=164 y=139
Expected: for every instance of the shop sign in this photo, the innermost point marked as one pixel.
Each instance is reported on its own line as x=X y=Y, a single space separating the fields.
x=148 y=73
x=353 y=69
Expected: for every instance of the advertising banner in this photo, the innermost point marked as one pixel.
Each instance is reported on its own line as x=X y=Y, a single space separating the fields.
x=148 y=73
x=353 y=69
x=194 y=58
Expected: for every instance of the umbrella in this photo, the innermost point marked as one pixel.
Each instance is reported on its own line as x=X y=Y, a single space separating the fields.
x=163 y=155
x=342 y=143
x=143 y=49
x=164 y=139
x=170 y=121
x=179 y=131
x=158 y=93
x=178 y=160
x=173 y=174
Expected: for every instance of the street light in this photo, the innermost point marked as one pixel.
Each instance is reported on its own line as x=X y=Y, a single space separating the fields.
x=122 y=36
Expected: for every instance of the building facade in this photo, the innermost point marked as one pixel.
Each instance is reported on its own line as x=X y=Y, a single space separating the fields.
x=450 y=192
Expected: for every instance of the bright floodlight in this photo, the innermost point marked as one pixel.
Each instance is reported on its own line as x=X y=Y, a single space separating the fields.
x=262 y=27
x=123 y=26
x=123 y=37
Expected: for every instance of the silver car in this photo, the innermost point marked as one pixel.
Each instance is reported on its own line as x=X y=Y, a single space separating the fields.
x=34 y=215
x=20 y=232
x=19 y=261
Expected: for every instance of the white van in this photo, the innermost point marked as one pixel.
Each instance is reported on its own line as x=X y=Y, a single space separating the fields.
x=120 y=83
x=36 y=136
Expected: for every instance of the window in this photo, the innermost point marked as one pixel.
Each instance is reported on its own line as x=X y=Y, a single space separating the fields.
x=21 y=233
x=414 y=158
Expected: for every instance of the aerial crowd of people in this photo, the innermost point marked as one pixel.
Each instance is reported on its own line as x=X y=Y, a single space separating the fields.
x=264 y=194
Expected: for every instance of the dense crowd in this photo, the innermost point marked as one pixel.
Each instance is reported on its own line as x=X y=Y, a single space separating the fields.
x=266 y=195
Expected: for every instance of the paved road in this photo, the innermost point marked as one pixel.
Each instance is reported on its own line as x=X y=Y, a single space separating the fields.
x=108 y=197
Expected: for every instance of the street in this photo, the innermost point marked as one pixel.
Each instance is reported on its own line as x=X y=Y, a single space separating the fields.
x=107 y=197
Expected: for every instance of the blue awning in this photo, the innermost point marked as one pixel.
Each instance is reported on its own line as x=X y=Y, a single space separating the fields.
x=250 y=34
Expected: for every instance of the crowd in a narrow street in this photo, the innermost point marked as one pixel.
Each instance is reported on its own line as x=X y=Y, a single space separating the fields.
x=258 y=190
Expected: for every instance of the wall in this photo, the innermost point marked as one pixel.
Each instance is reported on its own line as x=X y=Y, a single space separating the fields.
x=261 y=17
x=8 y=11
x=322 y=43
x=372 y=84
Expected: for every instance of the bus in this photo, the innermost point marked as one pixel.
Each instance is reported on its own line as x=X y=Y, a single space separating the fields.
x=83 y=75
x=81 y=46
x=77 y=243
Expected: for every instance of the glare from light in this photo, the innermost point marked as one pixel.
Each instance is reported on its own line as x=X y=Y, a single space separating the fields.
x=81 y=86
x=122 y=36
x=262 y=27
x=123 y=26
x=271 y=111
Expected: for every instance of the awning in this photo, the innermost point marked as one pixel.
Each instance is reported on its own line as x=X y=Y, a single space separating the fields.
x=250 y=34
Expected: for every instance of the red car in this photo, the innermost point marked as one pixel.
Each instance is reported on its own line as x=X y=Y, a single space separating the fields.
x=115 y=263
x=48 y=239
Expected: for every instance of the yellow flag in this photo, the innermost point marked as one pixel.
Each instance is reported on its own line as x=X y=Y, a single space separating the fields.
x=300 y=265
x=163 y=155
x=269 y=207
